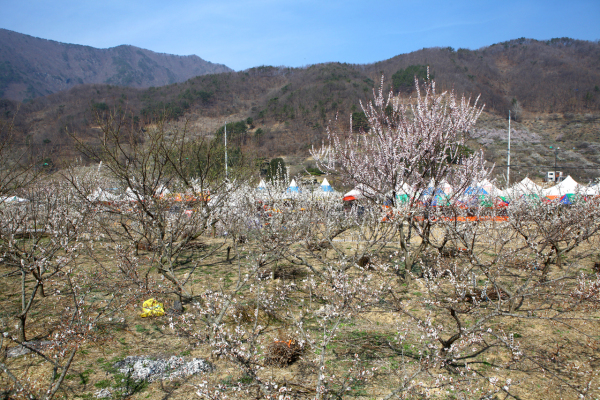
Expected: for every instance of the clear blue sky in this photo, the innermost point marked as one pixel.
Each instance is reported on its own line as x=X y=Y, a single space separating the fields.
x=243 y=34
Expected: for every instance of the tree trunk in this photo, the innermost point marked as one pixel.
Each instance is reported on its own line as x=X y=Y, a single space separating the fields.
x=21 y=328
x=23 y=316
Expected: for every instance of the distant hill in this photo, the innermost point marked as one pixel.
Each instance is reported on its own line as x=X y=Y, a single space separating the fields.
x=31 y=67
x=551 y=87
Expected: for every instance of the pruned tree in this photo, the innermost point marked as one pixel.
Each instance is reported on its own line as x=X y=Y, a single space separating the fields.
x=60 y=299
x=171 y=186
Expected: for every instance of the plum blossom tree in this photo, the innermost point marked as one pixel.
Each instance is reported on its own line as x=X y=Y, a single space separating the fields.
x=42 y=241
x=412 y=148
x=481 y=267
x=172 y=189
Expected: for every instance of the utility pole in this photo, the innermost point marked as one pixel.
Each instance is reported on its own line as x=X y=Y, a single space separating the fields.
x=226 y=150
x=508 y=155
x=555 y=156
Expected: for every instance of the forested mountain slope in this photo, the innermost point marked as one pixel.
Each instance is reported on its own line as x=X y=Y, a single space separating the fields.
x=551 y=88
x=31 y=67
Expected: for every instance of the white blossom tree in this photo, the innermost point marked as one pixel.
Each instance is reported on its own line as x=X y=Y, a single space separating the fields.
x=412 y=149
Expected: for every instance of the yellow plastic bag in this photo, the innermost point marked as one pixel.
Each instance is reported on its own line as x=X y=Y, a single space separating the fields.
x=152 y=308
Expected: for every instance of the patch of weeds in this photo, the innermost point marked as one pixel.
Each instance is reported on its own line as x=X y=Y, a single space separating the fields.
x=70 y=376
x=246 y=380
x=105 y=383
x=140 y=329
x=84 y=352
x=108 y=366
x=125 y=386
x=358 y=389
x=185 y=353
x=228 y=381
x=84 y=377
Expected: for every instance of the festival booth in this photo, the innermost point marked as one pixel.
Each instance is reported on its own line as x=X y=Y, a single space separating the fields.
x=162 y=191
x=571 y=198
x=436 y=196
x=446 y=187
x=103 y=196
x=489 y=188
x=591 y=190
x=404 y=193
x=526 y=187
x=354 y=194
x=326 y=187
x=293 y=188
x=567 y=186
x=130 y=195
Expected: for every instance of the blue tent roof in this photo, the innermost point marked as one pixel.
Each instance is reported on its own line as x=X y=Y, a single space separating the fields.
x=293 y=187
x=475 y=191
x=429 y=191
x=325 y=186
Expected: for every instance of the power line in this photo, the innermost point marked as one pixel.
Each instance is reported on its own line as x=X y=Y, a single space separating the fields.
x=545 y=166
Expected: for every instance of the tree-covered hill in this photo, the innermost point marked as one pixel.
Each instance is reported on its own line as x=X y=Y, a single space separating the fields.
x=551 y=88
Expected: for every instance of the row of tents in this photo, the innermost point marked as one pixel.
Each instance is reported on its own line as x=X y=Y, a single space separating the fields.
x=486 y=192
x=325 y=187
x=483 y=192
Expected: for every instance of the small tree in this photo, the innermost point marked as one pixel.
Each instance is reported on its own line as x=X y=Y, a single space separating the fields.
x=172 y=187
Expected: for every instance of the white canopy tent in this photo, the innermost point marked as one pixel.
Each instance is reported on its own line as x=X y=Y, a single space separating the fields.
x=12 y=199
x=361 y=191
x=591 y=190
x=354 y=194
x=293 y=186
x=567 y=186
x=103 y=195
x=326 y=187
x=130 y=195
x=261 y=185
x=406 y=189
x=446 y=187
x=162 y=191
x=525 y=187
x=489 y=187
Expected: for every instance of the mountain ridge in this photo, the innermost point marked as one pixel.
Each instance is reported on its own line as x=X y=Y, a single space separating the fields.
x=552 y=89
x=31 y=67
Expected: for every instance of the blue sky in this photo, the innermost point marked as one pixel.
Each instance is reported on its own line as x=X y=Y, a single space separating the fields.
x=243 y=34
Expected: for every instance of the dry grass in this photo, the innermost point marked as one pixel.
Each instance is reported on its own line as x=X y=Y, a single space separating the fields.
x=372 y=336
